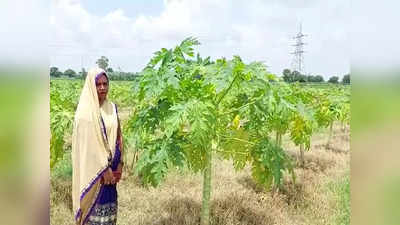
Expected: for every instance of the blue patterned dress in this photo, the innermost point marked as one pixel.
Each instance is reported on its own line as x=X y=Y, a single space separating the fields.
x=104 y=211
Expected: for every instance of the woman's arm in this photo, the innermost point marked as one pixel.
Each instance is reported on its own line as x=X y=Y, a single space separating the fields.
x=118 y=173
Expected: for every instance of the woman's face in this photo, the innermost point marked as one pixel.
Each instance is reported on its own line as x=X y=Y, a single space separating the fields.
x=102 y=87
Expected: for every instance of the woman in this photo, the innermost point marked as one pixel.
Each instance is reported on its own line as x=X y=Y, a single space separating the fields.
x=96 y=154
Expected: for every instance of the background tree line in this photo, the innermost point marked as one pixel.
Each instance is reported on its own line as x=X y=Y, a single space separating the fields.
x=295 y=76
x=102 y=62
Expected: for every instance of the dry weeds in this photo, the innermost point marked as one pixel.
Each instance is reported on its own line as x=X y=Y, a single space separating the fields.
x=236 y=199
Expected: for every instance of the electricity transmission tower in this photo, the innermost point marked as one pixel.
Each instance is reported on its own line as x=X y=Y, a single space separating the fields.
x=298 y=58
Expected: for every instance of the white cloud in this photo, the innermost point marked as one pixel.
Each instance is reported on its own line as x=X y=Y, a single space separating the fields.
x=116 y=16
x=255 y=30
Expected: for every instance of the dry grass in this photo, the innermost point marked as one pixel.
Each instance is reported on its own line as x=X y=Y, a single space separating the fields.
x=236 y=199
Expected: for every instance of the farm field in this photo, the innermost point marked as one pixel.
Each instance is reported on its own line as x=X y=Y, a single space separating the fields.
x=320 y=196
x=219 y=142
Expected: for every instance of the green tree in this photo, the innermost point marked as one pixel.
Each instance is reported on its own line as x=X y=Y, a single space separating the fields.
x=54 y=72
x=103 y=62
x=298 y=77
x=316 y=78
x=346 y=79
x=109 y=70
x=302 y=78
x=319 y=78
x=83 y=74
x=287 y=75
x=294 y=76
x=70 y=73
x=334 y=80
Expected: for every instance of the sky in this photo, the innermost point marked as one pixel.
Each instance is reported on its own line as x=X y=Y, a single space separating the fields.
x=129 y=32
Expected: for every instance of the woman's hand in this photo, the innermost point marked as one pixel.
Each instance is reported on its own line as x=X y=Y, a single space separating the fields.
x=108 y=177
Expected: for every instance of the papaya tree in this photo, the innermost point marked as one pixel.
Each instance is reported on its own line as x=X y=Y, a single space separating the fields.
x=280 y=110
x=344 y=112
x=328 y=108
x=63 y=103
x=254 y=114
x=303 y=123
x=189 y=109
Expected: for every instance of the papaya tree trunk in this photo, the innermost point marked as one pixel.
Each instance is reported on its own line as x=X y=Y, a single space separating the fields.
x=302 y=155
x=330 y=135
x=205 y=208
x=277 y=138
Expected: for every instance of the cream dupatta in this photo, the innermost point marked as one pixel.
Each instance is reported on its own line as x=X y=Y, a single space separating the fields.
x=93 y=146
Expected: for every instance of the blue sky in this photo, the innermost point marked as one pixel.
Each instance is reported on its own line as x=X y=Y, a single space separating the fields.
x=128 y=32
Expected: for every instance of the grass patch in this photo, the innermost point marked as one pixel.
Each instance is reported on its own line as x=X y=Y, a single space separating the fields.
x=341 y=194
x=63 y=168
